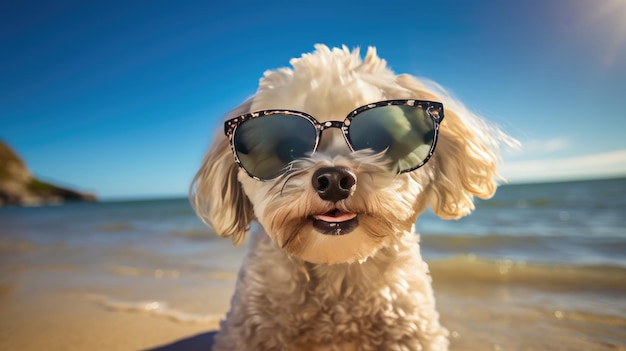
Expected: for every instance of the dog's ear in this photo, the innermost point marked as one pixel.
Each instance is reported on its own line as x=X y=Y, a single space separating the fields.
x=465 y=161
x=216 y=195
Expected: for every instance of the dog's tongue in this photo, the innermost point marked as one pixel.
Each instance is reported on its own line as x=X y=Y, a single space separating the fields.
x=335 y=216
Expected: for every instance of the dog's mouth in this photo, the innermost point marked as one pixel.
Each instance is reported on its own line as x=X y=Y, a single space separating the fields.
x=335 y=222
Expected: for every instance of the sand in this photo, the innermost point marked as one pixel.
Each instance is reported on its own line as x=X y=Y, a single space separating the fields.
x=479 y=318
x=68 y=322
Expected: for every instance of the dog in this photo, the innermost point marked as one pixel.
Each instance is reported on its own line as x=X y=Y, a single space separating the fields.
x=335 y=158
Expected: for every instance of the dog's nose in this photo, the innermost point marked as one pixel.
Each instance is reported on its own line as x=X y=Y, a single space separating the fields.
x=333 y=183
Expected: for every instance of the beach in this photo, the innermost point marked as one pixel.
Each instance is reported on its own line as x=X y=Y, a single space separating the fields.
x=538 y=267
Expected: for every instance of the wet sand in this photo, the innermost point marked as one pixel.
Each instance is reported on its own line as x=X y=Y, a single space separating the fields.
x=63 y=322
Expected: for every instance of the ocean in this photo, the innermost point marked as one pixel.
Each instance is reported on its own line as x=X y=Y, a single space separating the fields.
x=537 y=267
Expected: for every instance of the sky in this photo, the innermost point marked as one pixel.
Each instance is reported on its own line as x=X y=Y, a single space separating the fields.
x=122 y=98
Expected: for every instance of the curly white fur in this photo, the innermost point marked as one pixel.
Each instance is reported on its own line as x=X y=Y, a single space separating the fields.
x=367 y=290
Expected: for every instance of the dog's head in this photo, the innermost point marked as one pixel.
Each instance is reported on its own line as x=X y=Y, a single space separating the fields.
x=343 y=202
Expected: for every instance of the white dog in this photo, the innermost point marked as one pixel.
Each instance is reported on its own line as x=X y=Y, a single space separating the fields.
x=330 y=157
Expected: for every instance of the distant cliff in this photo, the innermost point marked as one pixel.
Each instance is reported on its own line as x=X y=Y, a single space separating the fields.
x=19 y=187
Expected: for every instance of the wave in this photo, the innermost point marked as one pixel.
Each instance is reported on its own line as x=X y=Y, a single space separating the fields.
x=484 y=242
x=129 y=271
x=154 y=308
x=16 y=246
x=114 y=227
x=213 y=273
x=470 y=269
x=566 y=249
x=195 y=234
x=518 y=203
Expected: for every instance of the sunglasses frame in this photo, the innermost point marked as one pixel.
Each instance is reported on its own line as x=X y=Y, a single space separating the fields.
x=433 y=109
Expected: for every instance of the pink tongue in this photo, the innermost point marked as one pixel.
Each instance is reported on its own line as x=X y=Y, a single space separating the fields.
x=336 y=217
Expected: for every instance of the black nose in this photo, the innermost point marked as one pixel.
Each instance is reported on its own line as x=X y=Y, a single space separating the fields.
x=333 y=183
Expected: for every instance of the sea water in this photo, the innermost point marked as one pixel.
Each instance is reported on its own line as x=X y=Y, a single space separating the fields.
x=572 y=223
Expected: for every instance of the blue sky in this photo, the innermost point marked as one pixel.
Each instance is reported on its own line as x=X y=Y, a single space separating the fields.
x=123 y=98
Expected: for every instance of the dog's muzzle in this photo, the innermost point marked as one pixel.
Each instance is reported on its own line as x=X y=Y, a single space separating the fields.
x=334 y=184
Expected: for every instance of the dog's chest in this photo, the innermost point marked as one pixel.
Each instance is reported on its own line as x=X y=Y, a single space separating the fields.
x=336 y=307
x=344 y=311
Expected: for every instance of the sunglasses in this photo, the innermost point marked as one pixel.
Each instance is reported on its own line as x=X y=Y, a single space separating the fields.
x=265 y=143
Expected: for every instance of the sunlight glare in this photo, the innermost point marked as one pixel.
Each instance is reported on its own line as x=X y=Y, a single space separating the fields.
x=612 y=14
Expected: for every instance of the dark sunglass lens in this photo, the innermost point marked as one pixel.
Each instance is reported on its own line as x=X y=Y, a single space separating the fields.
x=266 y=145
x=406 y=133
